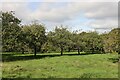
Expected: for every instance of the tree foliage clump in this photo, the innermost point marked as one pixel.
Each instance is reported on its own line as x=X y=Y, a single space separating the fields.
x=34 y=36
x=10 y=31
x=60 y=38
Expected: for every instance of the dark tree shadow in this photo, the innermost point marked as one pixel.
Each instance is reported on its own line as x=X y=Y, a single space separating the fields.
x=114 y=60
x=9 y=57
x=12 y=57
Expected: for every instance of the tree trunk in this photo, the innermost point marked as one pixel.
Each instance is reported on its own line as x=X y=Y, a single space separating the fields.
x=103 y=51
x=22 y=50
x=39 y=50
x=78 y=50
x=35 y=50
x=61 y=51
x=68 y=49
x=92 y=50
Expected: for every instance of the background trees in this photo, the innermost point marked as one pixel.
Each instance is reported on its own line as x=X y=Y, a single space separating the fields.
x=33 y=37
x=18 y=38
x=93 y=42
x=77 y=41
x=112 y=40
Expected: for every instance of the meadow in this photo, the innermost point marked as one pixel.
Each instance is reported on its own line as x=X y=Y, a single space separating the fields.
x=43 y=35
x=53 y=65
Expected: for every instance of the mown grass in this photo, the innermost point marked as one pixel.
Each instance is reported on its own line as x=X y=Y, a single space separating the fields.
x=52 y=65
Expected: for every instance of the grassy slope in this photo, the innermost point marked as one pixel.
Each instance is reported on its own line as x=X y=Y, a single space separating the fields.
x=66 y=66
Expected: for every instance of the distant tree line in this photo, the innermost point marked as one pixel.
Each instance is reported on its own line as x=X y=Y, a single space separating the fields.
x=33 y=38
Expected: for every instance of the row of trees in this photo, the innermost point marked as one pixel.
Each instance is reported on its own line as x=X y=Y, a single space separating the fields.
x=33 y=37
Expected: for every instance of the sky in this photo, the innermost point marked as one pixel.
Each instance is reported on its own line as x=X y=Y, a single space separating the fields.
x=83 y=15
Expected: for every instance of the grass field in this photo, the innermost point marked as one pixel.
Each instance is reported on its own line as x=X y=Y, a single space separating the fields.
x=52 y=65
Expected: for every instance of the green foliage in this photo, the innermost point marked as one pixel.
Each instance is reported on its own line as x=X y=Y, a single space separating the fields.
x=78 y=41
x=112 y=41
x=93 y=42
x=60 y=37
x=10 y=31
x=34 y=36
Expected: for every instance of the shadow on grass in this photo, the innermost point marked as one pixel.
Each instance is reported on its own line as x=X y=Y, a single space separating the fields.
x=13 y=57
x=114 y=60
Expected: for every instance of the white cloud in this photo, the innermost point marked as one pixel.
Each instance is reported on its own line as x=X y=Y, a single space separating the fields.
x=52 y=14
x=103 y=10
x=99 y=14
x=103 y=15
x=103 y=24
